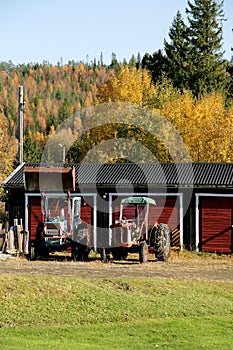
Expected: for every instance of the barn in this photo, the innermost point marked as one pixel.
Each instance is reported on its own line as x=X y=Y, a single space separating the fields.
x=195 y=199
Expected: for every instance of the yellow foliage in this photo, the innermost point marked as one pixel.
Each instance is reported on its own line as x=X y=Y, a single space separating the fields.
x=205 y=126
x=130 y=85
x=41 y=115
x=43 y=84
x=37 y=136
x=52 y=130
x=8 y=149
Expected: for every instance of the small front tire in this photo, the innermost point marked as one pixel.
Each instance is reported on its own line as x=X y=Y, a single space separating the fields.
x=75 y=253
x=32 y=251
x=143 y=252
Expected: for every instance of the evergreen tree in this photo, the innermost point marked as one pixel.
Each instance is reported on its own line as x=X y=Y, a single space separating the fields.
x=132 y=61
x=206 y=67
x=156 y=64
x=229 y=90
x=229 y=70
x=138 y=61
x=147 y=61
x=177 y=51
x=114 y=63
x=33 y=147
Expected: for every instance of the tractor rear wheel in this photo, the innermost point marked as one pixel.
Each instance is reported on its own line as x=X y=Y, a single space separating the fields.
x=162 y=242
x=143 y=252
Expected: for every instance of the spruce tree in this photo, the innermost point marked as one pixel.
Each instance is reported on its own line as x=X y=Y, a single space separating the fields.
x=138 y=61
x=205 y=62
x=177 y=53
x=156 y=64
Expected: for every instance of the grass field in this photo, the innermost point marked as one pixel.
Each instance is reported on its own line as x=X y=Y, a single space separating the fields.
x=49 y=312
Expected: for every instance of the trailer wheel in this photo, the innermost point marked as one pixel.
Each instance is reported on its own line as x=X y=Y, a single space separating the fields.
x=143 y=252
x=162 y=242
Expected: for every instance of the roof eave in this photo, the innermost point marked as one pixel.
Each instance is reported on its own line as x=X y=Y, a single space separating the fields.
x=4 y=184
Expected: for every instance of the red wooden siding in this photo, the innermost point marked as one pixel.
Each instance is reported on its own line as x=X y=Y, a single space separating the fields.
x=216 y=219
x=130 y=213
x=87 y=214
x=87 y=217
x=34 y=215
x=165 y=211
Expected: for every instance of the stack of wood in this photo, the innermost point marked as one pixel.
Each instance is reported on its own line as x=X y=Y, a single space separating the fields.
x=16 y=239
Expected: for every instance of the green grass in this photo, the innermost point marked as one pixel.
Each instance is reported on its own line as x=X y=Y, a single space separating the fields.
x=191 y=333
x=44 y=312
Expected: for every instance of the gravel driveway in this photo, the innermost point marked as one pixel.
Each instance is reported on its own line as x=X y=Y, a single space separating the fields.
x=179 y=266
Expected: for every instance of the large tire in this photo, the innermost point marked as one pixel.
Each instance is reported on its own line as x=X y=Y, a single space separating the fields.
x=83 y=253
x=75 y=252
x=37 y=250
x=79 y=252
x=32 y=251
x=162 y=242
x=143 y=252
x=104 y=255
x=119 y=253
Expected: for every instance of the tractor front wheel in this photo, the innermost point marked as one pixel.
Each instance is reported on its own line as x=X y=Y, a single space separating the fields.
x=79 y=252
x=75 y=253
x=162 y=242
x=32 y=251
x=143 y=252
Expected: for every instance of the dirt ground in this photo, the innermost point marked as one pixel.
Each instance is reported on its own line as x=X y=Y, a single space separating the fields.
x=185 y=266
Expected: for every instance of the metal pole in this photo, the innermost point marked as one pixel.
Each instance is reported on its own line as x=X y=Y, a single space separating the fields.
x=20 y=113
x=63 y=152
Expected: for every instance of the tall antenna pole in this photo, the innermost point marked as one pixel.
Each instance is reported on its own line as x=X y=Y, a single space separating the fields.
x=20 y=114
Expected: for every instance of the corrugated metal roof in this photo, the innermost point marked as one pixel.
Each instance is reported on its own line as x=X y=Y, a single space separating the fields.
x=16 y=177
x=161 y=174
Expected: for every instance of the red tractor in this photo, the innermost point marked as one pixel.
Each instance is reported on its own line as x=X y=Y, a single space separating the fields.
x=131 y=233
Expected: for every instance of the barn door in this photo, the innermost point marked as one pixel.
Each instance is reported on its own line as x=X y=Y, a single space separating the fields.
x=216 y=220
